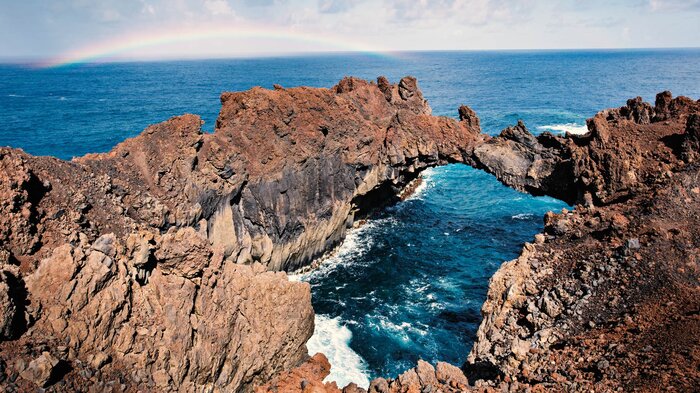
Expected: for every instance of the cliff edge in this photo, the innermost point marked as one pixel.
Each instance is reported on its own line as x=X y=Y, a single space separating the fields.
x=152 y=266
x=607 y=298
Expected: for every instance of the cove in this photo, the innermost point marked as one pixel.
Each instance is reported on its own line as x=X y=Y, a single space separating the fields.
x=410 y=282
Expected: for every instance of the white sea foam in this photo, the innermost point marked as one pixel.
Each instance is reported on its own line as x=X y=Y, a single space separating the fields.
x=332 y=338
x=401 y=332
x=522 y=216
x=357 y=242
x=571 y=128
x=427 y=183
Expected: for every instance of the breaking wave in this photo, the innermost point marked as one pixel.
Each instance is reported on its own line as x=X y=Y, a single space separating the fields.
x=571 y=128
x=332 y=338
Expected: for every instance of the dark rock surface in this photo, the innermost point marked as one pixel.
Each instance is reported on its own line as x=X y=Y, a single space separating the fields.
x=619 y=158
x=151 y=267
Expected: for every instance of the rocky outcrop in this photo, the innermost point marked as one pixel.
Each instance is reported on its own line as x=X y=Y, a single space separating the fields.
x=197 y=321
x=607 y=297
x=308 y=378
x=538 y=165
x=284 y=173
x=150 y=267
x=619 y=158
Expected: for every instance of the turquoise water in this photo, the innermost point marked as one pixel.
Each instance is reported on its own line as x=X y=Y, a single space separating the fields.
x=410 y=283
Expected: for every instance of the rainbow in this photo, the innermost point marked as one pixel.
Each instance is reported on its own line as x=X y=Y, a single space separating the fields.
x=119 y=47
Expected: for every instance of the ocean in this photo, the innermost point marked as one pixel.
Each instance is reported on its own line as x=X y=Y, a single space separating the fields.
x=409 y=284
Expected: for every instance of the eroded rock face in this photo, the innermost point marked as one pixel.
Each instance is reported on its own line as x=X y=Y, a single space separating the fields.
x=278 y=181
x=604 y=298
x=538 y=165
x=189 y=325
x=8 y=309
x=149 y=267
x=619 y=158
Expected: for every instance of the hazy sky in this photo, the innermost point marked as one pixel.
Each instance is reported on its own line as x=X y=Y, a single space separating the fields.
x=164 y=28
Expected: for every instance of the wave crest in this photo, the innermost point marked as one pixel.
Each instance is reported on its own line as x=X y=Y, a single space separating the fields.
x=332 y=339
x=571 y=128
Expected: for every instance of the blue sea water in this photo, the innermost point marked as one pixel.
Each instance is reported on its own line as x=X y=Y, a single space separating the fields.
x=410 y=283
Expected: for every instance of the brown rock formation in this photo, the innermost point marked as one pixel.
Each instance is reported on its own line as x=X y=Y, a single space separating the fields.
x=308 y=378
x=607 y=297
x=619 y=158
x=148 y=267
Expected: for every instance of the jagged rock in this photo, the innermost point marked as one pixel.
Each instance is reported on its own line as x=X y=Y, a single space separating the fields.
x=691 y=142
x=41 y=369
x=553 y=315
x=527 y=163
x=378 y=385
x=149 y=261
x=183 y=252
x=276 y=183
x=222 y=326
x=424 y=378
x=467 y=115
x=601 y=167
x=353 y=388
x=8 y=309
x=98 y=360
x=450 y=375
x=307 y=378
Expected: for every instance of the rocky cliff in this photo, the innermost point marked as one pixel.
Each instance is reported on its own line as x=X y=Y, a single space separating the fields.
x=151 y=267
x=607 y=298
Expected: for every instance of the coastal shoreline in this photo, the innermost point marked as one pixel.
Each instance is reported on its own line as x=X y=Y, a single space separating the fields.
x=115 y=264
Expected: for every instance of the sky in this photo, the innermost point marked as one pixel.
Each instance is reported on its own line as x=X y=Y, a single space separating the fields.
x=63 y=31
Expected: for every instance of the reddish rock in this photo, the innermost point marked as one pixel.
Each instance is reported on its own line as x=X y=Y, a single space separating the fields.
x=608 y=298
x=150 y=262
x=621 y=155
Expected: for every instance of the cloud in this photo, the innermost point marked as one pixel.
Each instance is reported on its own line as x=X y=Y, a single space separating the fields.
x=336 y=6
x=673 y=5
x=218 y=7
x=46 y=28
x=471 y=12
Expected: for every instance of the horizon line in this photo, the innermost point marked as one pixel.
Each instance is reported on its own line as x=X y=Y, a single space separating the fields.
x=37 y=61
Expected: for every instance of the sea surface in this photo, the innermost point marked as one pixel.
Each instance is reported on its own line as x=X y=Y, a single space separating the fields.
x=409 y=284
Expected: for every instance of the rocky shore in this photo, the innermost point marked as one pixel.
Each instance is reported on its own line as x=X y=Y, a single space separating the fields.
x=152 y=266
x=606 y=299
x=156 y=266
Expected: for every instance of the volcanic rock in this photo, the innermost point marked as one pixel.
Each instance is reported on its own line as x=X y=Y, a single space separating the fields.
x=152 y=265
x=40 y=369
x=608 y=298
x=424 y=377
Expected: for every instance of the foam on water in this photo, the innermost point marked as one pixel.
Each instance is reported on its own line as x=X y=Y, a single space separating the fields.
x=426 y=184
x=332 y=338
x=571 y=128
x=357 y=242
